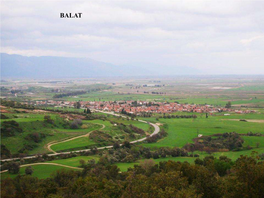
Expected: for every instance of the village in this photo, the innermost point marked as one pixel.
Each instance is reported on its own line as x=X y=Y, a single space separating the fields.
x=138 y=107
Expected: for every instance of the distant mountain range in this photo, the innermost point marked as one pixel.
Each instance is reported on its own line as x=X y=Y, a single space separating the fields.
x=17 y=66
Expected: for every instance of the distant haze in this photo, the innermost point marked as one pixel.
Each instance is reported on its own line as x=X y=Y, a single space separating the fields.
x=132 y=37
x=15 y=66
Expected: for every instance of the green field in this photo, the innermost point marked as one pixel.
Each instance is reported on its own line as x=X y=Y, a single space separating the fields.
x=182 y=131
x=40 y=171
x=44 y=171
x=77 y=144
x=31 y=123
x=86 y=142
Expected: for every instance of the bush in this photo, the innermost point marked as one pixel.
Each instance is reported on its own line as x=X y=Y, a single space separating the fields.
x=13 y=167
x=5 y=153
x=76 y=124
x=29 y=170
x=48 y=119
x=9 y=128
x=36 y=137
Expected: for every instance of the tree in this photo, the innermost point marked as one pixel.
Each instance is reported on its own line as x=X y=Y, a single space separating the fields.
x=116 y=145
x=13 y=167
x=147 y=164
x=228 y=105
x=48 y=119
x=5 y=153
x=82 y=162
x=76 y=123
x=91 y=162
x=129 y=158
x=88 y=111
x=77 y=105
x=29 y=170
x=126 y=144
x=198 y=161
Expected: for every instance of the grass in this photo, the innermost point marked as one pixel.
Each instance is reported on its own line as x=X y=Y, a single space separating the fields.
x=31 y=123
x=233 y=155
x=182 y=131
x=196 y=99
x=74 y=161
x=44 y=171
x=40 y=171
x=75 y=144
x=85 y=142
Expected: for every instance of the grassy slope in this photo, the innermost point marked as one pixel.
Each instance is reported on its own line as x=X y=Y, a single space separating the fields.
x=83 y=142
x=31 y=123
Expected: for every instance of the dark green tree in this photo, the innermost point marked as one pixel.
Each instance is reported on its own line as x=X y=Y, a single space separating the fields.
x=77 y=105
x=228 y=105
x=13 y=167
x=29 y=170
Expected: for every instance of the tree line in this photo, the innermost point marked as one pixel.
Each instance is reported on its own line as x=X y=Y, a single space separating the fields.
x=207 y=178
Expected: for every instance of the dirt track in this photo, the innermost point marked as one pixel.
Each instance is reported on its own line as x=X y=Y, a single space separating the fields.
x=55 y=164
x=86 y=135
x=156 y=131
x=256 y=121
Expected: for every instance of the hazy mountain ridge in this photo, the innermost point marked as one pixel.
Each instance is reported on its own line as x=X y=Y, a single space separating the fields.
x=51 y=66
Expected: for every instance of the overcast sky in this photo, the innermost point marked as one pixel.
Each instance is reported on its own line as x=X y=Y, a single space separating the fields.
x=216 y=37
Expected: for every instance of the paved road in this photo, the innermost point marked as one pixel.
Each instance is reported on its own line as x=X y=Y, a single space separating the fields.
x=156 y=131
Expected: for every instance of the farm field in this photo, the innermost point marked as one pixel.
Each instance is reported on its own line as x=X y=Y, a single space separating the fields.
x=218 y=101
x=182 y=131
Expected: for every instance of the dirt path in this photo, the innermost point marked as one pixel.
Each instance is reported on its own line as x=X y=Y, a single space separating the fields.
x=156 y=131
x=55 y=164
x=248 y=120
x=67 y=140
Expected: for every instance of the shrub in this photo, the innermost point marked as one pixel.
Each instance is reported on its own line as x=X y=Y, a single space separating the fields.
x=13 y=167
x=29 y=170
x=76 y=124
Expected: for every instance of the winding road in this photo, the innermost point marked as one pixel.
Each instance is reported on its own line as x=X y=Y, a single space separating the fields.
x=156 y=131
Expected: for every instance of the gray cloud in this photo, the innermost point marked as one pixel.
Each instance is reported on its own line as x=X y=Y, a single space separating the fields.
x=214 y=36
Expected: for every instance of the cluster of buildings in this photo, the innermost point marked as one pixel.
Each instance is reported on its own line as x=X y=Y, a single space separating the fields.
x=152 y=107
x=136 y=107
